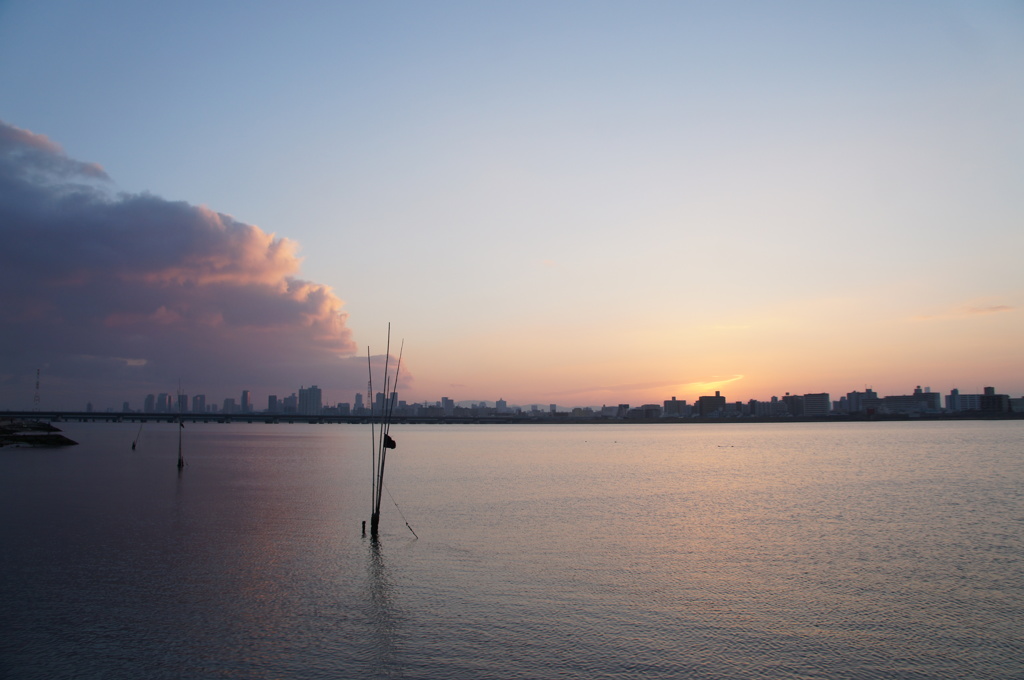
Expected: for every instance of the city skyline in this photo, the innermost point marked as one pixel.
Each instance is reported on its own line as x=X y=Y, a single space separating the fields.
x=311 y=401
x=579 y=203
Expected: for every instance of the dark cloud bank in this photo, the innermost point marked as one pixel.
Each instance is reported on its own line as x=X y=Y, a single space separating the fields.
x=115 y=295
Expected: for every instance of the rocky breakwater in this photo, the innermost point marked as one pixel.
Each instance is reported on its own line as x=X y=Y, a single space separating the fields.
x=32 y=433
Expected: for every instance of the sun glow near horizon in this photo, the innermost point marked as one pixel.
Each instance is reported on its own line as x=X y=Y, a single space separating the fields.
x=822 y=347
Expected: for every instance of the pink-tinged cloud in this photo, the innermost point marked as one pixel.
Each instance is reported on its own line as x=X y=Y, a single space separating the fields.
x=118 y=295
x=966 y=312
x=993 y=309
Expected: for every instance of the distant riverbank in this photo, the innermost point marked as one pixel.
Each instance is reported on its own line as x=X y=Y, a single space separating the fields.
x=548 y=419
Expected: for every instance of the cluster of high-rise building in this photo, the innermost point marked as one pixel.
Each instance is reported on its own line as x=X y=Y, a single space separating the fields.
x=309 y=401
x=920 y=402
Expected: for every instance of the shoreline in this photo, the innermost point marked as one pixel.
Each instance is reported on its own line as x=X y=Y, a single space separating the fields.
x=557 y=419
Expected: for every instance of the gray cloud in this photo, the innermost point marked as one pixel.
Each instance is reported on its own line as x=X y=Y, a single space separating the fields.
x=116 y=295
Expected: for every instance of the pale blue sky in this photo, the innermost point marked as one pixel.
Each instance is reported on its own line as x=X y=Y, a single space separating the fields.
x=564 y=198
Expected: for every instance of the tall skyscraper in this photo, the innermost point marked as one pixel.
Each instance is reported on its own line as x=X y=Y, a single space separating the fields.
x=310 y=401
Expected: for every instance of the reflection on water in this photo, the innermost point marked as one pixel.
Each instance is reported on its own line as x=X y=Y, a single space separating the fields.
x=384 y=620
x=838 y=551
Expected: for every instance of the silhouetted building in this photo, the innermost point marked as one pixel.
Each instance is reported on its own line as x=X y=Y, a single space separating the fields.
x=957 y=402
x=932 y=400
x=866 y=402
x=310 y=401
x=675 y=408
x=246 y=401
x=759 y=409
x=921 y=401
x=994 y=403
x=199 y=403
x=149 y=405
x=645 y=412
x=794 y=404
x=817 y=405
x=708 y=406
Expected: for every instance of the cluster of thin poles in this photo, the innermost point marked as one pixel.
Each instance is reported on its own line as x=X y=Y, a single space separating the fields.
x=379 y=443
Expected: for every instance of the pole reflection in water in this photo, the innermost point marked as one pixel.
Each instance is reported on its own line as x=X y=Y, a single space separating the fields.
x=382 y=614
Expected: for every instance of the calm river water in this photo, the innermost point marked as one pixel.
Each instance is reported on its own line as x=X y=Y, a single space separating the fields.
x=859 y=550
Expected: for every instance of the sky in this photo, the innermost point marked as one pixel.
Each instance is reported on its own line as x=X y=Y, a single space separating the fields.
x=581 y=203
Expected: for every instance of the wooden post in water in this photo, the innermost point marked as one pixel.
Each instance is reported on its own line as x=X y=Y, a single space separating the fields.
x=181 y=426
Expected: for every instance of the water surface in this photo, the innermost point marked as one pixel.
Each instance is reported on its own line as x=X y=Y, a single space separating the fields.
x=855 y=550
